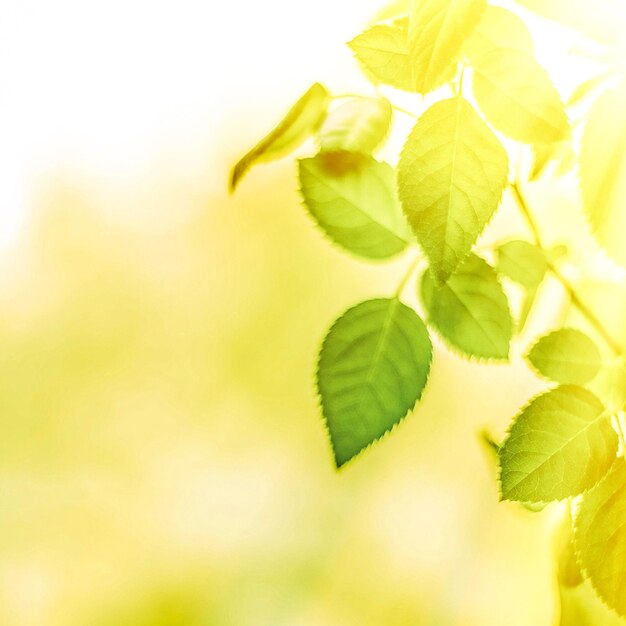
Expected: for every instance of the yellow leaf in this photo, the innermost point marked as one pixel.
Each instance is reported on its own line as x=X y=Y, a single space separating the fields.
x=437 y=31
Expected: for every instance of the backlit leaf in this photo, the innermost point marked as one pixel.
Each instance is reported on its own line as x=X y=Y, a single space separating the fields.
x=373 y=368
x=383 y=52
x=356 y=125
x=566 y=356
x=354 y=200
x=517 y=96
x=499 y=28
x=522 y=262
x=451 y=176
x=561 y=444
x=471 y=311
x=603 y=171
x=302 y=119
x=437 y=32
x=600 y=537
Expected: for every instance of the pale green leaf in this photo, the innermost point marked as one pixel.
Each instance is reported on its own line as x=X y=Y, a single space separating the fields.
x=603 y=171
x=522 y=262
x=356 y=124
x=600 y=537
x=383 y=52
x=373 y=368
x=354 y=200
x=499 y=28
x=517 y=96
x=451 y=176
x=437 y=31
x=471 y=311
x=302 y=119
x=560 y=445
x=566 y=356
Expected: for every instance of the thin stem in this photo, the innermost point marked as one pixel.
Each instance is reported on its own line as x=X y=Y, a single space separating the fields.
x=405 y=279
x=575 y=299
x=461 y=76
x=405 y=111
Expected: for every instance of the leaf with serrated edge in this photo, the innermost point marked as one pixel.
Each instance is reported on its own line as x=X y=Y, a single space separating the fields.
x=498 y=28
x=356 y=125
x=522 y=262
x=451 y=176
x=470 y=311
x=560 y=445
x=383 y=52
x=566 y=356
x=603 y=171
x=373 y=368
x=437 y=31
x=302 y=119
x=517 y=96
x=357 y=206
x=600 y=537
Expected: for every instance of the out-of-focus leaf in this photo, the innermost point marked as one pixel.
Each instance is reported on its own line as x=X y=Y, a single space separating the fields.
x=586 y=88
x=560 y=445
x=354 y=200
x=561 y=153
x=566 y=356
x=394 y=10
x=373 y=368
x=302 y=119
x=499 y=28
x=517 y=96
x=356 y=125
x=603 y=171
x=437 y=31
x=568 y=570
x=602 y=19
x=600 y=537
x=383 y=52
x=471 y=311
x=581 y=606
x=451 y=176
x=522 y=262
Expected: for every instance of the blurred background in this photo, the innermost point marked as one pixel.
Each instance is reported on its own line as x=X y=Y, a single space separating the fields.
x=162 y=458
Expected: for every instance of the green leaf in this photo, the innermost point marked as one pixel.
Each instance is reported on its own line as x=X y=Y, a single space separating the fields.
x=451 y=176
x=356 y=125
x=522 y=262
x=566 y=356
x=561 y=444
x=603 y=171
x=383 y=52
x=471 y=311
x=354 y=200
x=517 y=96
x=437 y=31
x=600 y=537
x=373 y=368
x=499 y=28
x=302 y=119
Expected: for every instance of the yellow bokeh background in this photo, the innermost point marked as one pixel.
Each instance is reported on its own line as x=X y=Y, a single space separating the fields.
x=162 y=458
